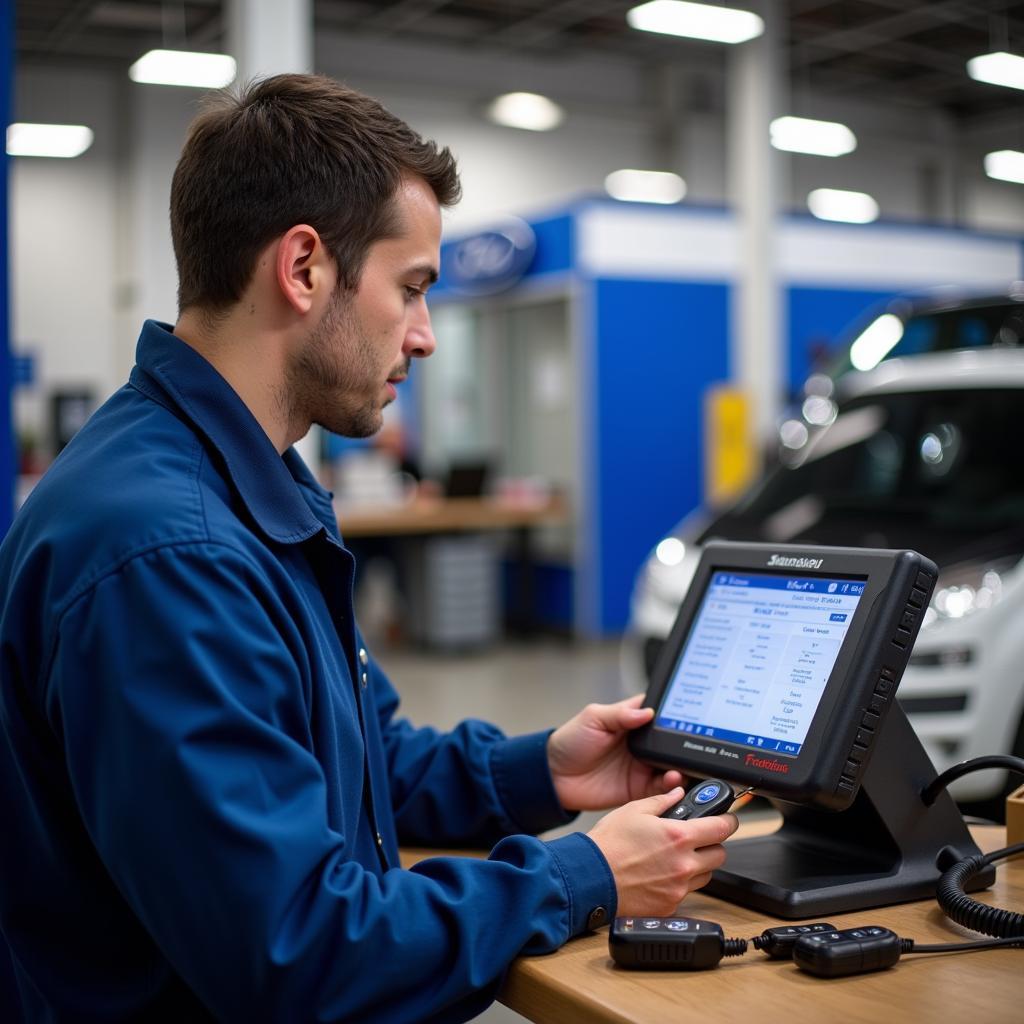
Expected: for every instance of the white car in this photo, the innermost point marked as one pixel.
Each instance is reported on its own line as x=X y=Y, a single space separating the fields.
x=924 y=453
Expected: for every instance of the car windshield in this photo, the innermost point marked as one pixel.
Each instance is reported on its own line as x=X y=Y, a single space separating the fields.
x=941 y=471
x=994 y=325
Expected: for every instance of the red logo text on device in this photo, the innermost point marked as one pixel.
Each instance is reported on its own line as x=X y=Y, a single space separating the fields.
x=768 y=765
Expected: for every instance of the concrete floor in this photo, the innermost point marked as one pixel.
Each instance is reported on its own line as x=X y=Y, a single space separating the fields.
x=518 y=687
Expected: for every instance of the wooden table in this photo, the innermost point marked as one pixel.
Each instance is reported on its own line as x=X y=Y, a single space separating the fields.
x=580 y=984
x=432 y=516
x=450 y=515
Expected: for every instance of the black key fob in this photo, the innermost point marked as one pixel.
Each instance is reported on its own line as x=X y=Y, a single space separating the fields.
x=850 y=951
x=778 y=942
x=712 y=796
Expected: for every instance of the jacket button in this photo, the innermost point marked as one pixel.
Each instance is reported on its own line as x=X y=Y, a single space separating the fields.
x=598 y=916
x=380 y=839
x=364 y=658
x=364 y=679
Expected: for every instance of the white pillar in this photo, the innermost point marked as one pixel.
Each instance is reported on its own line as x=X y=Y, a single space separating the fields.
x=269 y=37
x=756 y=82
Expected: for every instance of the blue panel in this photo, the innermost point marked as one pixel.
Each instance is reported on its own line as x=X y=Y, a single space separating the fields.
x=820 y=319
x=659 y=345
x=554 y=245
x=7 y=462
x=552 y=588
x=23 y=370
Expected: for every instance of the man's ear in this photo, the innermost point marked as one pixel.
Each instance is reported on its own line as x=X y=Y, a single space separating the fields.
x=304 y=270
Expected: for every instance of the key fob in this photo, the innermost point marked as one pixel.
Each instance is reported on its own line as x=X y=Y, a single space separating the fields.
x=712 y=796
x=850 y=951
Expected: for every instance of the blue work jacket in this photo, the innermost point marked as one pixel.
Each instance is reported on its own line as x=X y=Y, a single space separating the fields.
x=203 y=782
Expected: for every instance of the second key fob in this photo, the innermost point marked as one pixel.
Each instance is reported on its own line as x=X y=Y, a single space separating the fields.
x=713 y=796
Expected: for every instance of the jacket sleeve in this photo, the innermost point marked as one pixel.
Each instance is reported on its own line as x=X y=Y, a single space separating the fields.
x=468 y=787
x=177 y=687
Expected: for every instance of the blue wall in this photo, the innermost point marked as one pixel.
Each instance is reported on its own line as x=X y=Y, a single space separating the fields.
x=658 y=346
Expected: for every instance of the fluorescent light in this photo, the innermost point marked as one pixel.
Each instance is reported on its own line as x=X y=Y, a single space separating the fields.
x=998 y=69
x=62 y=140
x=837 y=204
x=183 y=67
x=527 y=110
x=876 y=341
x=696 y=21
x=1005 y=164
x=805 y=135
x=635 y=186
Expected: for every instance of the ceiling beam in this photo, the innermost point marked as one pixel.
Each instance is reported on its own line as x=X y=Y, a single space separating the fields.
x=67 y=25
x=537 y=29
x=887 y=31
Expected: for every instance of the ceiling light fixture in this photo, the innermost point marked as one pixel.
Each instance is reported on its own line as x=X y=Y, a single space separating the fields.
x=56 y=140
x=1006 y=165
x=184 y=67
x=805 y=135
x=696 y=21
x=998 y=69
x=527 y=110
x=838 y=204
x=633 y=186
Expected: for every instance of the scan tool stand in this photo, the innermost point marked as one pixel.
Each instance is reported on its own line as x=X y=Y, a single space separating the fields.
x=887 y=847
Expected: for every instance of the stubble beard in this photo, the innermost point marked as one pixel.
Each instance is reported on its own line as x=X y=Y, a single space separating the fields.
x=331 y=381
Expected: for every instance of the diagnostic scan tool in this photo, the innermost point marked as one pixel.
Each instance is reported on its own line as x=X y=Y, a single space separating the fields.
x=780 y=674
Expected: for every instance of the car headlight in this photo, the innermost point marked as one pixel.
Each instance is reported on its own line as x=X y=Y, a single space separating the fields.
x=667 y=574
x=964 y=590
x=670 y=552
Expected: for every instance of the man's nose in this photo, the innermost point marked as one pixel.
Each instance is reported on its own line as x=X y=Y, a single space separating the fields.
x=419 y=339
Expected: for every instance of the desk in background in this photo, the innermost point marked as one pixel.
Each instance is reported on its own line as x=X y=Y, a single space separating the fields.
x=431 y=517
x=424 y=516
x=579 y=984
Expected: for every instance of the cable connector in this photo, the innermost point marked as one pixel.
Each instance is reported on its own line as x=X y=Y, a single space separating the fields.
x=778 y=942
x=670 y=943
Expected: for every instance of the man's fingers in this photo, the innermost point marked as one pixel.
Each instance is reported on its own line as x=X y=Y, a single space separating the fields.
x=699 y=881
x=660 y=802
x=629 y=713
x=622 y=715
x=712 y=830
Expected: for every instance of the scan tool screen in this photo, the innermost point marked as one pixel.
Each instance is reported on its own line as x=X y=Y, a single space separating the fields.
x=755 y=664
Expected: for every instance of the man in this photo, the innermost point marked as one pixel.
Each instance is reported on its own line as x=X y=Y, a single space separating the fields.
x=202 y=778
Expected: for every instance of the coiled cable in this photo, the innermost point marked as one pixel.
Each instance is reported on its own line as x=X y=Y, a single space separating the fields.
x=959 y=907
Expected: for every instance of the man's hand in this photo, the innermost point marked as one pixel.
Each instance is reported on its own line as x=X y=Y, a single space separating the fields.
x=591 y=765
x=657 y=861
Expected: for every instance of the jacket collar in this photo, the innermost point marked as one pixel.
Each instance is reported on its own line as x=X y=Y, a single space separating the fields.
x=281 y=494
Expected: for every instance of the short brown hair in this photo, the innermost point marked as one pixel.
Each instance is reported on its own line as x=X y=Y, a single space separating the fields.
x=287 y=150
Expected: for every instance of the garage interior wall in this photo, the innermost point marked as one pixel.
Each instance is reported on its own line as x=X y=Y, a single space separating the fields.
x=94 y=232
x=644 y=295
x=90 y=249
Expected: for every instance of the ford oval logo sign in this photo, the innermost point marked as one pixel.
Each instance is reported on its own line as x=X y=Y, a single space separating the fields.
x=491 y=260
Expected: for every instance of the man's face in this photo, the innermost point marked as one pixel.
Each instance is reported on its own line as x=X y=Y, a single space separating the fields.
x=360 y=351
